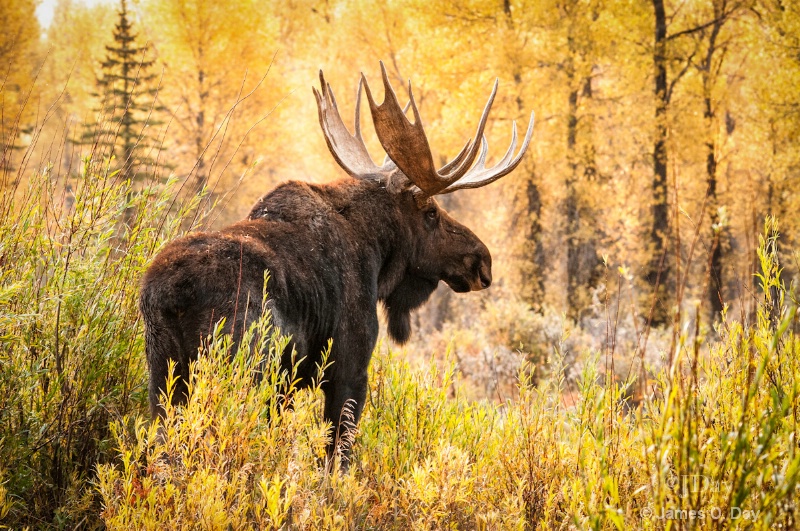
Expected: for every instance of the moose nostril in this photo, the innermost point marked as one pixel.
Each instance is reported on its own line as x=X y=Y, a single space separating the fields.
x=486 y=277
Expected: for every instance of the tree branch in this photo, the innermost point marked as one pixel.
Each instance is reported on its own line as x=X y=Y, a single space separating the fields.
x=721 y=18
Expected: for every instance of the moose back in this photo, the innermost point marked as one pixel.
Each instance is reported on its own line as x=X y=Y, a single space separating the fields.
x=333 y=252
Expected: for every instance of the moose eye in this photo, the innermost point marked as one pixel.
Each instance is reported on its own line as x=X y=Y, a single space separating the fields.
x=431 y=214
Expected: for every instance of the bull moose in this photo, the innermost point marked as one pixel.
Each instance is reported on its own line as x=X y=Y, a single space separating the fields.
x=334 y=251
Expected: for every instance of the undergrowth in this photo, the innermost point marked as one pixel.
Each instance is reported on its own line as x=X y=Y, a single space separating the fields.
x=712 y=443
x=70 y=339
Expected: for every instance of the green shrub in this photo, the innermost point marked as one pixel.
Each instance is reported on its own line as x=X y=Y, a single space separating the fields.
x=70 y=343
x=713 y=443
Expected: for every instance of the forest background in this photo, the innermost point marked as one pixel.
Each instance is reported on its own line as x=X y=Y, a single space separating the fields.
x=666 y=132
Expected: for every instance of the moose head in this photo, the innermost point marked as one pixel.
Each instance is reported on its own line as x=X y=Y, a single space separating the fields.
x=445 y=249
x=333 y=251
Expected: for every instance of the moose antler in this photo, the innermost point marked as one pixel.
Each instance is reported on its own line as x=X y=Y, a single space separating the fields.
x=407 y=145
x=348 y=150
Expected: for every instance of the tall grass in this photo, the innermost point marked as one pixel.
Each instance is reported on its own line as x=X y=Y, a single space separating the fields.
x=70 y=343
x=712 y=444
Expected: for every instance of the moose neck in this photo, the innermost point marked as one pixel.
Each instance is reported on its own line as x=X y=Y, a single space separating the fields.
x=388 y=244
x=385 y=241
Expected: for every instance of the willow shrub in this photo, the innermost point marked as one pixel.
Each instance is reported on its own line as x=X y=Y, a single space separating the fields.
x=713 y=445
x=70 y=343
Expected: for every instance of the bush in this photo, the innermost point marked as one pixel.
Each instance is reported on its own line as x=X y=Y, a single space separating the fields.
x=713 y=442
x=71 y=359
x=713 y=445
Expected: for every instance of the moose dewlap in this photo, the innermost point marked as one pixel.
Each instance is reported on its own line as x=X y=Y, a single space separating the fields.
x=333 y=252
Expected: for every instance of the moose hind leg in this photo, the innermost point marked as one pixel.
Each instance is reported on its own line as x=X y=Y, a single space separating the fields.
x=158 y=385
x=162 y=345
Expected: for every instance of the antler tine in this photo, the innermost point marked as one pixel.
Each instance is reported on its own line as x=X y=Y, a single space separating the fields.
x=465 y=164
x=485 y=149
x=481 y=176
x=457 y=159
x=357 y=127
x=348 y=150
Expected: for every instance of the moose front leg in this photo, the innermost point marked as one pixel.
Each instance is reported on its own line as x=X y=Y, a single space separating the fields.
x=344 y=402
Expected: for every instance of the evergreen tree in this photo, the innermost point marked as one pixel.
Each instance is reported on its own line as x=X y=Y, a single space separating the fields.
x=129 y=106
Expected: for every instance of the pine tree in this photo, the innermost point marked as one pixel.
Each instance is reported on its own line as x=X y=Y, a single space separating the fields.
x=129 y=106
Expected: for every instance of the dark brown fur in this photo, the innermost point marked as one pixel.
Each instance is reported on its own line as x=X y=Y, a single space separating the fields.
x=333 y=252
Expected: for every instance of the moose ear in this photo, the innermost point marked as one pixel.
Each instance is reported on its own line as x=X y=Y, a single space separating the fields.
x=409 y=294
